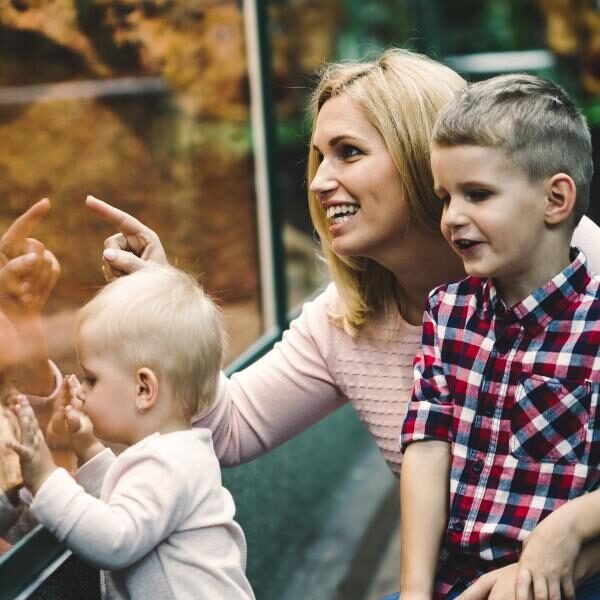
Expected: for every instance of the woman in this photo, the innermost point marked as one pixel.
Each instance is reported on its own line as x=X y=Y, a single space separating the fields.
x=372 y=204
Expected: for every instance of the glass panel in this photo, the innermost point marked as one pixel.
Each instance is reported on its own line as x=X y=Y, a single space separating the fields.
x=144 y=105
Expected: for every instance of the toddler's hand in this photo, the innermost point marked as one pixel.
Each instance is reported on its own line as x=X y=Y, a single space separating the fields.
x=69 y=422
x=548 y=559
x=36 y=461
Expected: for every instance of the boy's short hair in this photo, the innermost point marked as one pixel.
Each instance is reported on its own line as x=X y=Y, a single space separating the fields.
x=159 y=317
x=532 y=119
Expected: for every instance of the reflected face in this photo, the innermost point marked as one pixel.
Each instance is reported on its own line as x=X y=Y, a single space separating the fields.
x=107 y=391
x=493 y=216
x=357 y=184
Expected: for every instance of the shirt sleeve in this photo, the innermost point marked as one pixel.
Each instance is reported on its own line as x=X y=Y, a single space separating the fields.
x=146 y=503
x=431 y=407
x=281 y=394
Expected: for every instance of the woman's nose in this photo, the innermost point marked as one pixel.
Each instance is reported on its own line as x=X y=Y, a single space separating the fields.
x=324 y=180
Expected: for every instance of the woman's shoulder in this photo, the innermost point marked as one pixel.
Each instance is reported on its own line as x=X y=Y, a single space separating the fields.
x=587 y=238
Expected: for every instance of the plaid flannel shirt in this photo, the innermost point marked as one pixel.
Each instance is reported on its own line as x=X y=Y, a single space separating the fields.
x=514 y=390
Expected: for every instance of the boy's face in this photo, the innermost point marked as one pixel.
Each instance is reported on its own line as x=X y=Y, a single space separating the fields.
x=107 y=392
x=493 y=216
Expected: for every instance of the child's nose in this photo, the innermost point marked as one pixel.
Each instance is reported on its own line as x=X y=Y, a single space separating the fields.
x=453 y=214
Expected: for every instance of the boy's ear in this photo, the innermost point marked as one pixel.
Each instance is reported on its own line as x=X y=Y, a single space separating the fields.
x=560 y=198
x=146 y=389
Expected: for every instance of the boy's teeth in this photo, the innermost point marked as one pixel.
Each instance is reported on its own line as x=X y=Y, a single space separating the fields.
x=342 y=212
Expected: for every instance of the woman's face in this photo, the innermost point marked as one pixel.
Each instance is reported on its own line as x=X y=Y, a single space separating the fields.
x=358 y=185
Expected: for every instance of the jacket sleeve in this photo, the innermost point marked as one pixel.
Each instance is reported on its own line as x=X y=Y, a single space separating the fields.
x=281 y=394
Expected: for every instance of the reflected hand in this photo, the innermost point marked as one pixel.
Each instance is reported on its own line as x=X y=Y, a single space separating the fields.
x=128 y=250
x=9 y=345
x=28 y=271
x=36 y=461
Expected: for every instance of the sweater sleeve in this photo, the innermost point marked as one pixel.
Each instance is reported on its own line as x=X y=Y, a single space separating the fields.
x=281 y=394
x=587 y=238
x=146 y=503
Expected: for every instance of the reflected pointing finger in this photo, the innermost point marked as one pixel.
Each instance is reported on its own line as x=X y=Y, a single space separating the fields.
x=22 y=226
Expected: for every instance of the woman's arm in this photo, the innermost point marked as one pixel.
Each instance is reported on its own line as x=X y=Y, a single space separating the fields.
x=281 y=394
x=550 y=552
x=274 y=399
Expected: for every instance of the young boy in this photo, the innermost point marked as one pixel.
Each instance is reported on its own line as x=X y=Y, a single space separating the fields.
x=501 y=428
x=150 y=346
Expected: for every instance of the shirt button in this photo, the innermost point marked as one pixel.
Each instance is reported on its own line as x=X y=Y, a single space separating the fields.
x=478 y=466
x=458 y=526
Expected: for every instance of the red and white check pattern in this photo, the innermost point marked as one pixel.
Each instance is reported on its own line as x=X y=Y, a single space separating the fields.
x=515 y=391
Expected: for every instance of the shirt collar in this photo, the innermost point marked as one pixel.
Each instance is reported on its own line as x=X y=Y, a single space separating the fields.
x=544 y=304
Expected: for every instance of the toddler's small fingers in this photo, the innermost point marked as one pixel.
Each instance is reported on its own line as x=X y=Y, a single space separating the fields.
x=23 y=452
x=73 y=420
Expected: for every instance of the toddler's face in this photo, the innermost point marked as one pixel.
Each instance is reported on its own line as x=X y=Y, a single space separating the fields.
x=107 y=391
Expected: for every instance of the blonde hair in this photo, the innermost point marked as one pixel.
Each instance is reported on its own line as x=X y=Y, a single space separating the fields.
x=400 y=93
x=532 y=120
x=159 y=317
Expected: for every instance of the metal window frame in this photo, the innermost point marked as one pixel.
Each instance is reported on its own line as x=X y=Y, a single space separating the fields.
x=25 y=567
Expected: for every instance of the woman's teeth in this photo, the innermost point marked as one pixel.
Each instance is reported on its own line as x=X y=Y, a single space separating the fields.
x=342 y=212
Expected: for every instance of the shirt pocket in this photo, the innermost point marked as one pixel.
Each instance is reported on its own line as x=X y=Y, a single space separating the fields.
x=550 y=420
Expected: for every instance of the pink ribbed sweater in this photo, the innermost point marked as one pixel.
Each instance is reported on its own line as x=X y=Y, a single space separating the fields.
x=317 y=368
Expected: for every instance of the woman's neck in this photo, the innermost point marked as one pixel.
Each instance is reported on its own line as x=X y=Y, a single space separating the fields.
x=436 y=264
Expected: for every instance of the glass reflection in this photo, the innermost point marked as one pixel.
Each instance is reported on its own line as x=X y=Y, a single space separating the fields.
x=144 y=104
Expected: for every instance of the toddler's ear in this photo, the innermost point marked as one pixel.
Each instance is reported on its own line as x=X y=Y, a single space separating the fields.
x=561 y=193
x=146 y=389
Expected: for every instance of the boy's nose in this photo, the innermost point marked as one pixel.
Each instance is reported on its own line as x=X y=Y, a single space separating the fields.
x=453 y=214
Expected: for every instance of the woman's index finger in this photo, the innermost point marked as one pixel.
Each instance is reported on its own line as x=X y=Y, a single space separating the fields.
x=124 y=222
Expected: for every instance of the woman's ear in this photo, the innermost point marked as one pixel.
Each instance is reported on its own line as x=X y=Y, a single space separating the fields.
x=146 y=389
x=561 y=193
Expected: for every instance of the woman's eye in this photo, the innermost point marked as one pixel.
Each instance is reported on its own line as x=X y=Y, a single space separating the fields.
x=350 y=152
x=478 y=195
